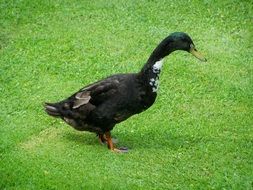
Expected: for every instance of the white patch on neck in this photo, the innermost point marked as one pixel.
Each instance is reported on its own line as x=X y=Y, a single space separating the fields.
x=156 y=68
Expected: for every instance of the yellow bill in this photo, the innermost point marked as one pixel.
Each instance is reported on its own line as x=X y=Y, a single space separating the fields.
x=197 y=54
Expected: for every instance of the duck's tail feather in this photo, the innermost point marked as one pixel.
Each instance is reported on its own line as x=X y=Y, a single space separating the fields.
x=52 y=109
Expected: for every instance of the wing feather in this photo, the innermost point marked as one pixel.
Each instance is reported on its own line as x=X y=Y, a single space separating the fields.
x=97 y=92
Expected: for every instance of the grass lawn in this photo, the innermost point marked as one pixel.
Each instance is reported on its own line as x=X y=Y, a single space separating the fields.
x=198 y=134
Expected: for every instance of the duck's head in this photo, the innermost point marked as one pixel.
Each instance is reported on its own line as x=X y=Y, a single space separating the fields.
x=181 y=41
x=175 y=41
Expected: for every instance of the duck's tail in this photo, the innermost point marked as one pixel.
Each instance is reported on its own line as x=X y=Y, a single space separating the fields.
x=52 y=109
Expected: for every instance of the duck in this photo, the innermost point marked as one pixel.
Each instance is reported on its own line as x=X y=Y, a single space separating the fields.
x=99 y=106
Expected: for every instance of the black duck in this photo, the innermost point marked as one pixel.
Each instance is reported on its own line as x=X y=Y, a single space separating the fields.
x=98 y=107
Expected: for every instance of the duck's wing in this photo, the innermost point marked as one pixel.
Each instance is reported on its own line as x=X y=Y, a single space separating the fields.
x=96 y=93
x=86 y=99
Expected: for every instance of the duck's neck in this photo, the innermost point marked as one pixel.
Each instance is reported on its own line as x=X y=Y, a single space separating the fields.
x=151 y=74
x=151 y=70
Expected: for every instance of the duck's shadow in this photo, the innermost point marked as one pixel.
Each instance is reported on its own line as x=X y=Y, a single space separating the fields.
x=82 y=138
x=135 y=141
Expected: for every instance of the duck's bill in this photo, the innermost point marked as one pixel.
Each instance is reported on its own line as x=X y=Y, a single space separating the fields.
x=198 y=55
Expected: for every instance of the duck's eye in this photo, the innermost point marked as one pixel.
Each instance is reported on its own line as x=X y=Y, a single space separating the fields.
x=193 y=47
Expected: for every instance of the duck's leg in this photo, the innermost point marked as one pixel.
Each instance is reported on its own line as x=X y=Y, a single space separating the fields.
x=102 y=139
x=111 y=146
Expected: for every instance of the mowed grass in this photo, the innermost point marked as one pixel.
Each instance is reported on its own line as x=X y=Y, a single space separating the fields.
x=197 y=135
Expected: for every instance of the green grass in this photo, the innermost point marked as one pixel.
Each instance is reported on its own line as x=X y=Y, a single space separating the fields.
x=198 y=134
